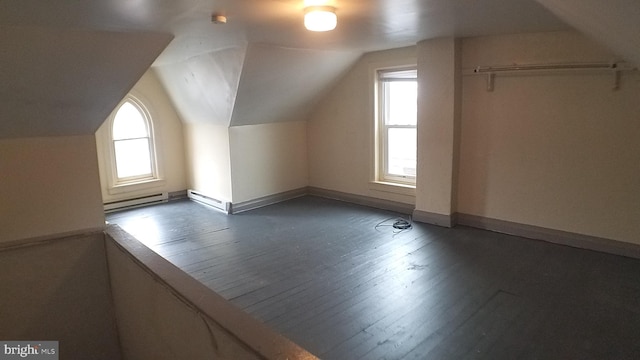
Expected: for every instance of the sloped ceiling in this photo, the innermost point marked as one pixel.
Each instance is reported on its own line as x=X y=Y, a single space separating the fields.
x=66 y=82
x=614 y=23
x=285 y=69
x=282 y=84
x=204 y=87
x=65 y=64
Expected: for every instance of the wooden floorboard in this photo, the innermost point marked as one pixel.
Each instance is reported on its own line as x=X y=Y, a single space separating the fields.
x=369 y=274
x=338 y=280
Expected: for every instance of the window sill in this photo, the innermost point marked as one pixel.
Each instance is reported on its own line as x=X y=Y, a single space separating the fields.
x=395 y=188
x=136 y=186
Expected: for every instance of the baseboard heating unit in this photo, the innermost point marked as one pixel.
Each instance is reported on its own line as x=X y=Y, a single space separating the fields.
x=223 y=206
x=135 y=202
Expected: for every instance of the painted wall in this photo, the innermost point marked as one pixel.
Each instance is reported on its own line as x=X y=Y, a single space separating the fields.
x=163 y=313
x=438 y=125
x=208 y=159
x=49 y=186
x=169 y=142
x=558 y=151
x=155 y=323
x=268 y=159
x=59 y=290
x=341 y=128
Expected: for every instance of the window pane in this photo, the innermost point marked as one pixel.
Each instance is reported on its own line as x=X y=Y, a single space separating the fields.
x=401 y=151
x=402 y=106
x=129 y=123
x=132 y=157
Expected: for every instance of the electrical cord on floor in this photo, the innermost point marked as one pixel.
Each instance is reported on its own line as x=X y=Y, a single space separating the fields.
x=401 y=224
x=398 y=224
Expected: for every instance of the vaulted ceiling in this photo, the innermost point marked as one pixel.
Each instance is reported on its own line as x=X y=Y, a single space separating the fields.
x=65 y=64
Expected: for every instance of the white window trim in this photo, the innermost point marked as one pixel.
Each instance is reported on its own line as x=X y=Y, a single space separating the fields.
x=140 y=183
x=381 y=181
x=395 y=188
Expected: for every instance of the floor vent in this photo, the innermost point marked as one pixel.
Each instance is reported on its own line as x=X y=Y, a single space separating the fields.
x=218 y=204
x=136 y=202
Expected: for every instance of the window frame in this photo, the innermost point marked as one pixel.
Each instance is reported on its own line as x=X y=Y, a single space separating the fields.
x=132 y=183
x=382 y=128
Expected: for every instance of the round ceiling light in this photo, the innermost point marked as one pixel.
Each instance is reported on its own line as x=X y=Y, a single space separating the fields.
x=320 y=18
x=218 y=19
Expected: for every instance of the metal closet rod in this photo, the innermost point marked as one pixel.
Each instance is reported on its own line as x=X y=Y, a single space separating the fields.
x=614 y=67
x=583 y=66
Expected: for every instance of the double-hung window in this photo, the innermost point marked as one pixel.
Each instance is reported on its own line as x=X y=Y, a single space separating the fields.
x=397 y=125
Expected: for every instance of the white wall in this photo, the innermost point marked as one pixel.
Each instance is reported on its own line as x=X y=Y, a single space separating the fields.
x=341 y=128
x=157 y=322
x=208 y=159
x=557 y=151
x=268 y=159
x=49 y=186
x=169 y=142
x=438 y=122
x=59 y=290
x=163 y=313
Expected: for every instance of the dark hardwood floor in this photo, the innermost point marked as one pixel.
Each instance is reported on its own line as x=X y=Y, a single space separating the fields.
x=338 y=280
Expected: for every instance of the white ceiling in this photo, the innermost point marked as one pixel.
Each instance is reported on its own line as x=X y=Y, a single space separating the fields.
x=66 y=82
x=363 y=24
x=614 y=23
x=218 y=73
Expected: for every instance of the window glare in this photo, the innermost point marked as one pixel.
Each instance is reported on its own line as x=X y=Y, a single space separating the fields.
x=129 y=123
x=133 y=158
x=401 y=151
x=402 y=103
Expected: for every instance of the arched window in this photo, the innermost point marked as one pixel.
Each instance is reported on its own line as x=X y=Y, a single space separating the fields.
x=132 y=143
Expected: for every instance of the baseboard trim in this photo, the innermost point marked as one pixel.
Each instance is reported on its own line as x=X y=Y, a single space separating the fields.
x=434 y=218
x=553 y=236
x=528 y=231
x=266 y=200
x=363 y=200
x=39 y=240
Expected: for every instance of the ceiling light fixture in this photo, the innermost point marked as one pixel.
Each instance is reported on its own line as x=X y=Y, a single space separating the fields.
x=320 y=18
x=218 y=19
